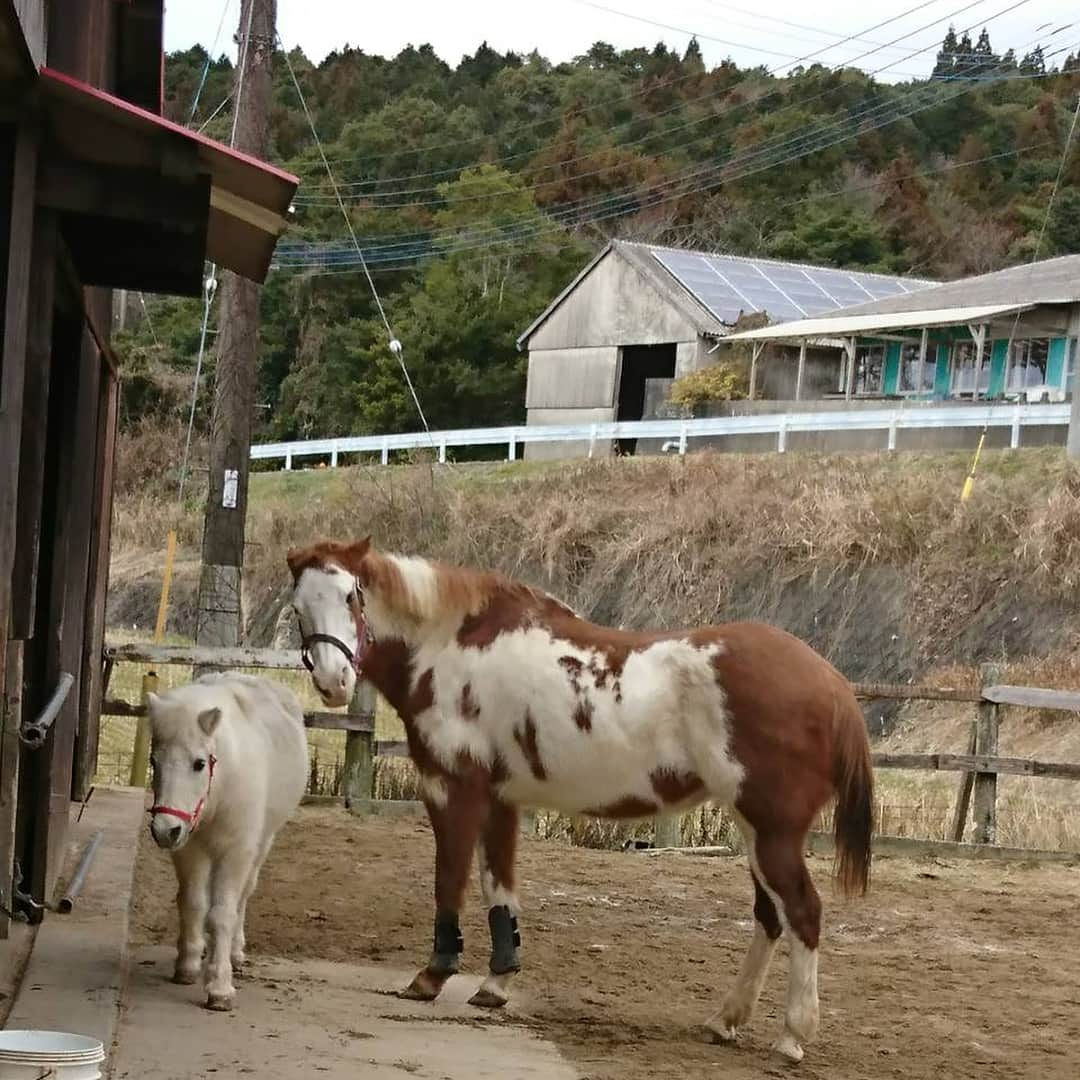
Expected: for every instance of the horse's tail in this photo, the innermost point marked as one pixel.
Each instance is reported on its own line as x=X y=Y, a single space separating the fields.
x=853 y=776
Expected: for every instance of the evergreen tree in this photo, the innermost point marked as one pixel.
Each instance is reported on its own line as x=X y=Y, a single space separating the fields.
x=946 y=57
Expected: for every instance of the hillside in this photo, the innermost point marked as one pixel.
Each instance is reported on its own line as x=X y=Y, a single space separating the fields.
x=478 y=191
x=871 y=558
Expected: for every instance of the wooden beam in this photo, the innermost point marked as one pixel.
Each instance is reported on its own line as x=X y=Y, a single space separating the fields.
x=905 y=692
x=258 y=217
x=17 y=185
x=1029 y=697
x=122 y=195
x=195 y=655
x=10 y=750
x=93 y=669
x=34 y=433
x=822 y=843
x=986 y=765
x=802 y=370
x=322 y=721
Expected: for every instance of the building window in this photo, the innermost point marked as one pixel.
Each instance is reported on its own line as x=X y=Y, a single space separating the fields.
x=869 y=369
x=1027 y=365
x=963 y=370
x=912 y=379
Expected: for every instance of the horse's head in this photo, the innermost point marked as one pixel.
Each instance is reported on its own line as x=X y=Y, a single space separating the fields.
x=329 y=603
x=183 y=726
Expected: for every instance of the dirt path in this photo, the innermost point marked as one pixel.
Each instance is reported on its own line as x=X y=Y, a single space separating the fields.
x=947 y=971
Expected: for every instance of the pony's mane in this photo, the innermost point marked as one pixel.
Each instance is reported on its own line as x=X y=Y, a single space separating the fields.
x=420 y=589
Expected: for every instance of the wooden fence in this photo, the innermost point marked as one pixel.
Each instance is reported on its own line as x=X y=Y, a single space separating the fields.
x=980 y=766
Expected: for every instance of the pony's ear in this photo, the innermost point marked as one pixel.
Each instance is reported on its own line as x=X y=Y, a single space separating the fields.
x=209 y=720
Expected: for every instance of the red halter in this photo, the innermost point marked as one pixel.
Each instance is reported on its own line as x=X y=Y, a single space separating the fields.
x=191 y=819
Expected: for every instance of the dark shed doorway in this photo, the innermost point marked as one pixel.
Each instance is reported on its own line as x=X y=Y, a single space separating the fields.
x=637 y=363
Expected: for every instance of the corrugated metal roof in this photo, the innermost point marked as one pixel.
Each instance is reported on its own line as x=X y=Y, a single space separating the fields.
x=1051 y=281
x=848 y=324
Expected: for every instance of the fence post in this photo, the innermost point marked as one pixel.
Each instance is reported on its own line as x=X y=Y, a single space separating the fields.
x=442 y=451
x=592 y=440
x=682 y=440
x=333 y=458
x=511 y=453
x=986 y=744
x=892 y=431
x=1014 y=439
x=666 y=831
x=781 y=435
x=359 y=781
x=386 y=452
x=288 y=460
x=140 y=756
x=963 y=796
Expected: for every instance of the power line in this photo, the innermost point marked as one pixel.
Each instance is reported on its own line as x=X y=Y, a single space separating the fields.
x=635 y=94
x=688 y=186
x=318 y=199
x=802 y=142
x=392 y=342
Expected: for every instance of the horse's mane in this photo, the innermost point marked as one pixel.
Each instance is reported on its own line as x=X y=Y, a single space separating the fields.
x=421 y=589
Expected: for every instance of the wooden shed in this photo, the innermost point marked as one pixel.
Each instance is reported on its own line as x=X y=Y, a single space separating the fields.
x=97 y=191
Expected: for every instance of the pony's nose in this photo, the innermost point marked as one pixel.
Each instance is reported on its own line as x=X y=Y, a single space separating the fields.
x=165 y=835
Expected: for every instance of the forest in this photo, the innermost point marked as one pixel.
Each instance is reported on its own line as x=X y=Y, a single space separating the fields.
x=476 y=192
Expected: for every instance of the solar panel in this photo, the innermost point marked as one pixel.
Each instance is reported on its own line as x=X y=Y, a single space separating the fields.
x=730 y=286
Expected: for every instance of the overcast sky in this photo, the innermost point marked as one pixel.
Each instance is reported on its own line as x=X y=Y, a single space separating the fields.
x=561 y=29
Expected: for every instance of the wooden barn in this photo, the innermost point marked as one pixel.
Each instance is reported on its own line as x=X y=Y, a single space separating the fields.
x=97 y=191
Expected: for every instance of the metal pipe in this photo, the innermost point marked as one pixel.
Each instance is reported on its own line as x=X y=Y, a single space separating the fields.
x=67 y=901
x=33 y=734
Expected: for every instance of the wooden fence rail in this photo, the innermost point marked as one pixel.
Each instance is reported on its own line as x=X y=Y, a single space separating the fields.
x=981 y=766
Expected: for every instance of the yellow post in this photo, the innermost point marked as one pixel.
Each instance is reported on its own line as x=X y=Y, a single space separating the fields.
x=969 y=483
x=140 y=757
x=166 y=584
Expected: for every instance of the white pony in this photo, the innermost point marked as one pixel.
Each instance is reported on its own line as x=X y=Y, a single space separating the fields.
x=230 y=760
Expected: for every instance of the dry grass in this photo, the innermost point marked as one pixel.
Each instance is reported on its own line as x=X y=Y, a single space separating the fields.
x=678 y=542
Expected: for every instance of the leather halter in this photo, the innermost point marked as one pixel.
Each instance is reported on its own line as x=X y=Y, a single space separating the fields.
x=191 y=819
x=364 y=640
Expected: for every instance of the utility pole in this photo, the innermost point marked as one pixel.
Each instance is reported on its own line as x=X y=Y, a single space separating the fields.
x=220 y=615
x=1072 y=346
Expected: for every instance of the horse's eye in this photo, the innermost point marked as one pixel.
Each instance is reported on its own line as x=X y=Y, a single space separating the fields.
x=199 y=764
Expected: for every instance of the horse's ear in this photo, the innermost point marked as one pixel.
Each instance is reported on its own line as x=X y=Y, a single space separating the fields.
x=294 y=557
x=152 y=700
x=209 y=720
x=356 y=552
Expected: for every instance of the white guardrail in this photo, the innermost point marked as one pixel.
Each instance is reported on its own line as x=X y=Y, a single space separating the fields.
x=678 y=433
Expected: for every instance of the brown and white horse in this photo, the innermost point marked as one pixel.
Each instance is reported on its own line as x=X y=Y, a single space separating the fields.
x=509 y=699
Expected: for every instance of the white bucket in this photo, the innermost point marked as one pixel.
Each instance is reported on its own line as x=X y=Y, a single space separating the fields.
x=49 y=1055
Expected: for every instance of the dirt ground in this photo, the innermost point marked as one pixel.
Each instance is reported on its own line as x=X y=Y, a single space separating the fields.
x=948 y=970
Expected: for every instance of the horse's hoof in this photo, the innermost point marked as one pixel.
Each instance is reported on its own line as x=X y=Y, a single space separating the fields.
x=186 y=978
x=219 y=1002
x=488 y=999
x=718 y=1035
x=787 y=1046
x=425 y=987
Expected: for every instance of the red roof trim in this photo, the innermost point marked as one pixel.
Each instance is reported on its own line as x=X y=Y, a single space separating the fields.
x=49 y=75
